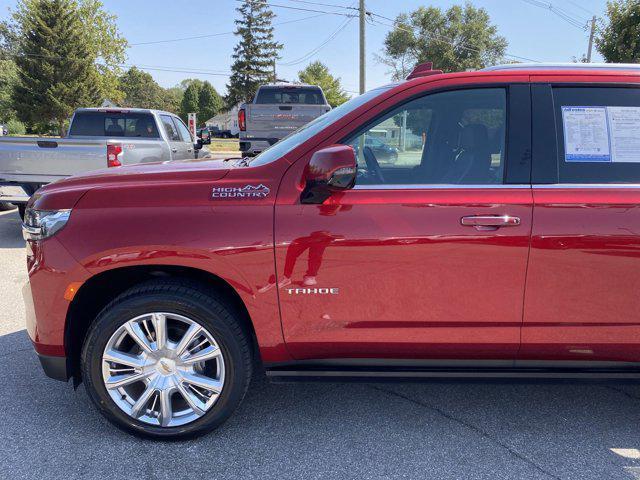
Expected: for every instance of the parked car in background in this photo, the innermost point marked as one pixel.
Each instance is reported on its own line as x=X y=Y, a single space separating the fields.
x=276 y=111
x=204 y=135
x=383 y=152
x=224 y=124
x=218 y=133
x=4 y=130
x=97 y=138
x=503 y=246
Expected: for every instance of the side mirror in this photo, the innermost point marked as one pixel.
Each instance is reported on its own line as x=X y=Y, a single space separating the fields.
x=198 y=144
x=331 y=169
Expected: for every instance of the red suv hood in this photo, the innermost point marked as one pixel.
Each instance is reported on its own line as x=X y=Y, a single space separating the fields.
x=65 y=193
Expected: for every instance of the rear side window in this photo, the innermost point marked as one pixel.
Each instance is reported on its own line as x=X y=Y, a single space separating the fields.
x=290 y=95
x=114 y=124
x=597 y=131
x=170 y=129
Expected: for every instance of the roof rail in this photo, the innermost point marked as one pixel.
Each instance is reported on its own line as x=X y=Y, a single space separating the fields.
x=563 y=66
x=423 y=70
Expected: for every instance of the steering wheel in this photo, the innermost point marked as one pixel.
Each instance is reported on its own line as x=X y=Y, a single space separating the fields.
x=372 y=164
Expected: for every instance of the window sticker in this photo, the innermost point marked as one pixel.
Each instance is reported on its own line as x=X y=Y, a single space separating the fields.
x=624 y=125
x=601 y=134
x=586 y=134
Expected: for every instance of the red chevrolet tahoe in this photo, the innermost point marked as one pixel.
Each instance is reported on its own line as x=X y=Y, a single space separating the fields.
x=502 y=240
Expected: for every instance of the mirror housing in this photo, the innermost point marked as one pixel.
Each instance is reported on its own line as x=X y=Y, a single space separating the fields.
x=198 y=144
x=331 y=169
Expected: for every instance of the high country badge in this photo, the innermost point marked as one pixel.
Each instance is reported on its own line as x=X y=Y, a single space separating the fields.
x=248 y=191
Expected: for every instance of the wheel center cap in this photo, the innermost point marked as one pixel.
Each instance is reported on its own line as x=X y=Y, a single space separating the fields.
x=166 y=366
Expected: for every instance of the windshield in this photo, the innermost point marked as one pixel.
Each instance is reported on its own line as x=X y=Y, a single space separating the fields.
x=304 y=133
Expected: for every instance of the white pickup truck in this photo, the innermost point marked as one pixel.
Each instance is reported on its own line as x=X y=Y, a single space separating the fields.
x=276 y=111
x=97 y=138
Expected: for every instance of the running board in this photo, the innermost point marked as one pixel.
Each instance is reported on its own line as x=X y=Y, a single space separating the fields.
x=314 y=373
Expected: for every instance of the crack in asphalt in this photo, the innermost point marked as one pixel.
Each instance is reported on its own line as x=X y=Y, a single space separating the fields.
x=472 y=427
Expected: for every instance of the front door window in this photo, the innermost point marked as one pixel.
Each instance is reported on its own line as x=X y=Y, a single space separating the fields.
x=455 y=137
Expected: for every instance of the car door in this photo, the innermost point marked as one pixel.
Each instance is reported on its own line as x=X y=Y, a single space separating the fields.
x=424 y=258
x=582 y=299
x=186 y=144
x=173 y=137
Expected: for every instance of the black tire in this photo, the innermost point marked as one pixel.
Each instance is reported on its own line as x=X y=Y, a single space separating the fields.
x=21 y=209
x=183 y=298
x=4 y=206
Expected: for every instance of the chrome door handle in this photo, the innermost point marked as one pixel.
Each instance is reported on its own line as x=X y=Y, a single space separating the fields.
x=174 y=150
x=490 y=222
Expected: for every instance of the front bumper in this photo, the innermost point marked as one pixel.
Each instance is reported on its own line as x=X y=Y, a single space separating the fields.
x=51 y=270
x=55 y=367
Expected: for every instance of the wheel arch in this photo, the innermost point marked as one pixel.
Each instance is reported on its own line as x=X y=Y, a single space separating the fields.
x=100 y=289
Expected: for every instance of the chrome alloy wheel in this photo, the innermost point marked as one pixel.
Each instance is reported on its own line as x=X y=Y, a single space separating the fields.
x=163 y=369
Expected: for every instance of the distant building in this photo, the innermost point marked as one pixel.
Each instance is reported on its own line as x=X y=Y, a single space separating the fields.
x=225 y=121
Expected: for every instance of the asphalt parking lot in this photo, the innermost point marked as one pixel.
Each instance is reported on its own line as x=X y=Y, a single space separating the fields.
x=439 y=431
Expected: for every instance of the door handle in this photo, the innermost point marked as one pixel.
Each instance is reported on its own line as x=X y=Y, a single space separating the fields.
x=174 y=150
x=490 y=222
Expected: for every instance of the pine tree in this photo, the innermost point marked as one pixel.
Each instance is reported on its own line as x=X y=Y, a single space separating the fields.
x=209 y=102
x=255 y=53
x=55 y=69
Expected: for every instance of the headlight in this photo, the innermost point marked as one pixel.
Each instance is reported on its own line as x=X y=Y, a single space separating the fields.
x=40 y=224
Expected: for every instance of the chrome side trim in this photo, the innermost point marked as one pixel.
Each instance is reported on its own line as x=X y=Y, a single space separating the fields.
x=436 y=187
x=587 y=185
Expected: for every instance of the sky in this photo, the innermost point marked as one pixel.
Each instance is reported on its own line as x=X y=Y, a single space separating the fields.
x=532 y=32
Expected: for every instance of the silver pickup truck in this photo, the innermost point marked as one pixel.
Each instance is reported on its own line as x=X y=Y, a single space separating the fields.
x=276 y=111
x=97 y=138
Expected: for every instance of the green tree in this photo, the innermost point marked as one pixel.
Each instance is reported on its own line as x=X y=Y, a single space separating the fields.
x=8 y=82
x=209 y=102
x=457 y=39
x=173 y=99
x=106 y=45
x=317 y=73
x=56 y=72
x=188 y=81
x=8 y=71
x=141 y=90
x=190 y=101
x=98 y=30
x=618 y=38
x=255 y=54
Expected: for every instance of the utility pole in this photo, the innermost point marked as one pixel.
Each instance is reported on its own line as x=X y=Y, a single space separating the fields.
x=363 y=55
x=593 y=33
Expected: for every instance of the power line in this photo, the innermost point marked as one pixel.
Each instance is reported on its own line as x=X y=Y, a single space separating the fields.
x=199 y=37
x=322 y=44
x=441 y=38
x=159 y=68
x=269 y=4
x=590 y=12
x=330 y=5
x=566 y=16
x=311 y=53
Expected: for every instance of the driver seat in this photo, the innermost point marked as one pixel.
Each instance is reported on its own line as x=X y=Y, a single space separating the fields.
x=473 y=162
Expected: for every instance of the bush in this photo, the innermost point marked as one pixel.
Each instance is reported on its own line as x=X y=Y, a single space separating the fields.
x=16 y=127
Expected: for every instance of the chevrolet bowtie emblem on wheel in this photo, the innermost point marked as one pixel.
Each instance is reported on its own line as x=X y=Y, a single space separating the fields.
x=248 y=191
